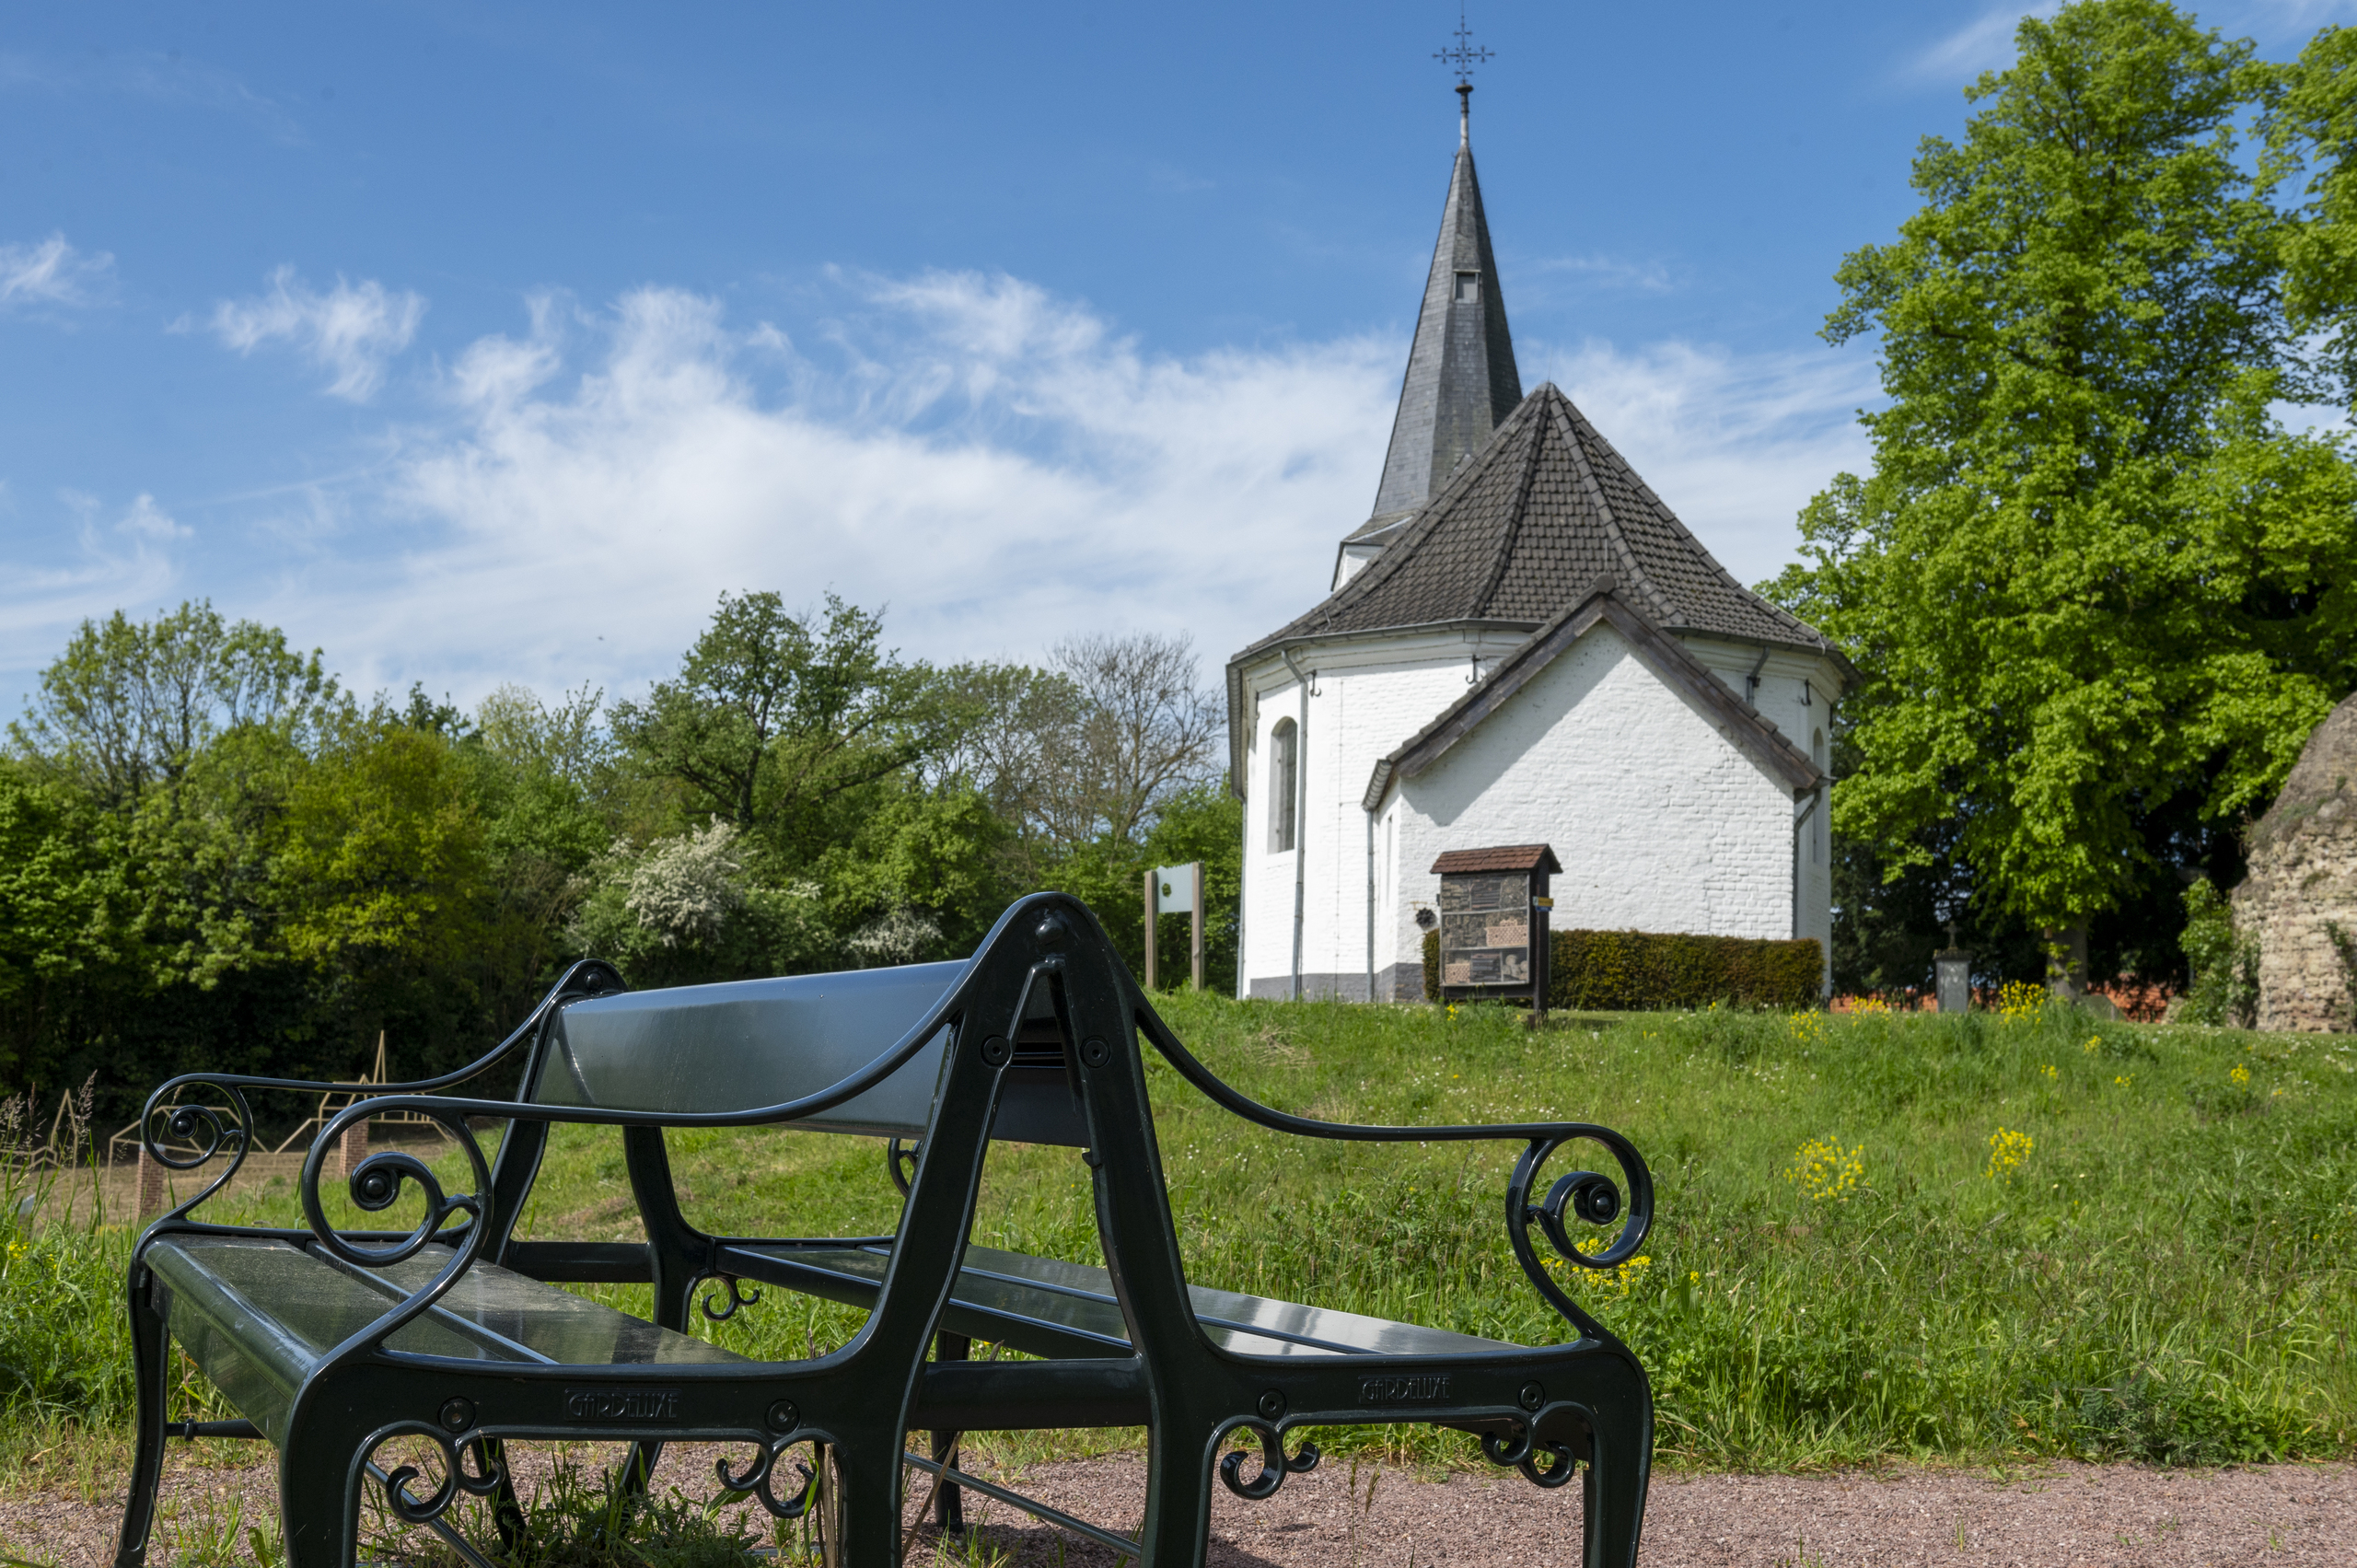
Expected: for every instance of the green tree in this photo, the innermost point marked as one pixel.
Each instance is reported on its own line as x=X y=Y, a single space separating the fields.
x=2312 y=130
x=774 y=717
x=129 y=706
x=545 y=781
x=382 y=860
x=67 y=915
x=2099 y=591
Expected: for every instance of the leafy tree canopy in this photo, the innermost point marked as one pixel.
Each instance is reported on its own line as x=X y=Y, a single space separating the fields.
x=2099 y=592
x=130 y=705
x=774 y=717
x=2311 y=130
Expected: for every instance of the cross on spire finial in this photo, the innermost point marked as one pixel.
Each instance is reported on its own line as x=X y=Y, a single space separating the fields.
x=1465 y=56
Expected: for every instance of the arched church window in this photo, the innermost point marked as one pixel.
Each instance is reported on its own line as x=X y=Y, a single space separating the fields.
x=1284 y=785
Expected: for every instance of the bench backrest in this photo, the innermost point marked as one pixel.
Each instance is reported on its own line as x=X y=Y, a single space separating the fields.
x=744 y=1044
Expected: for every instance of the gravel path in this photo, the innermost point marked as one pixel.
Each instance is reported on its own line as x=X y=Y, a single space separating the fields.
x=2065 y=1515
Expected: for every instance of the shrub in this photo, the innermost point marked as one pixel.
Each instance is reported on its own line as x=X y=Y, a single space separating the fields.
x=1640 y=970
x=2224 y=988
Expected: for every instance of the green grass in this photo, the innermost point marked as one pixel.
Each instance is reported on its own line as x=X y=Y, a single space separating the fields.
x=2161 y=1275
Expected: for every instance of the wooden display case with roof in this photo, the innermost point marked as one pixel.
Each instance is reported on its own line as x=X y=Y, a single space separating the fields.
x=1493 y=923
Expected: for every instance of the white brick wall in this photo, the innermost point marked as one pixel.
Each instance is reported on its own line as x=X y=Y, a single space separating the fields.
x=1662 y=823
x=1367 y=699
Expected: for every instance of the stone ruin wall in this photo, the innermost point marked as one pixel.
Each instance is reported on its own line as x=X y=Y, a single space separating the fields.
x=2302 y=884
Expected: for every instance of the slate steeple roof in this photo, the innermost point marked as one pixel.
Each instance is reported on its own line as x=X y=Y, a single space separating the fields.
x=1527 y=528
x=1461 y=379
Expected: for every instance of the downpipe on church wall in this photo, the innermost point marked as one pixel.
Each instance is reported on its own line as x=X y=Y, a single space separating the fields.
x=1301 y=808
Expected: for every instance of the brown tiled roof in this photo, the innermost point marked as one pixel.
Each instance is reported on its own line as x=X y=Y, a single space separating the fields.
x=1526 y=527
x=1508 y=857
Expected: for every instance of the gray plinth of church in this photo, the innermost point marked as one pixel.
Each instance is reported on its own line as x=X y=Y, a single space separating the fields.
x=1952 y=974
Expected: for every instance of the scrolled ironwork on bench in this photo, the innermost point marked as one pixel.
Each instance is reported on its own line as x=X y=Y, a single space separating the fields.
x=336 y=1340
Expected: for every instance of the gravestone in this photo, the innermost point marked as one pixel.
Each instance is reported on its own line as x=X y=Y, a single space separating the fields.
x=1952 y=971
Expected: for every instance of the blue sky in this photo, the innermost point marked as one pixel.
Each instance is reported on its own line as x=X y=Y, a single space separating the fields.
x=475 y=343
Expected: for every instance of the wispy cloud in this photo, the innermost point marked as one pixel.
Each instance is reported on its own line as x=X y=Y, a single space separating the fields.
x=170 y=78
x=51 y=272
x=1736 y=444
x=1607 y=271
x=991 y=462
x=2303 y=14
x=352 y=330
x=1985 y=43
x=995 y=465
x=128 y=559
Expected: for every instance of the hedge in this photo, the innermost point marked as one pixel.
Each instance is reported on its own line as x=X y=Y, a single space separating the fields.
x=1640 y=970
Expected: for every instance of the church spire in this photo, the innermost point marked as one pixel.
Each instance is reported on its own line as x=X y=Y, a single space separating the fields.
x=1461 y=379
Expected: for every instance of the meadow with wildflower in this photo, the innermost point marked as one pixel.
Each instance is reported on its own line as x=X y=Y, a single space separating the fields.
x=1825 y=1172
x=2008 y=1152
x=1880 y=1234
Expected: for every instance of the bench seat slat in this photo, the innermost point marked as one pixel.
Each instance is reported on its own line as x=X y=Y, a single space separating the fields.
x=259 y=1314
x=1046 y=1306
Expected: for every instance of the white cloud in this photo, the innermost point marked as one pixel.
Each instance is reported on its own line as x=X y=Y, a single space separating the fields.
x=1736 y=444
x=51 y=272
x=351 y=330
x=127 y=561
x=1985 y=43
x=1608 y=272
x=989 y=462
x=146 y=520
x=170 y=78
x=995 y=465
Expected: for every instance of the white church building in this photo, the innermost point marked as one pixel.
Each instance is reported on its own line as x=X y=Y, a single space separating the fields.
x=1523 y=645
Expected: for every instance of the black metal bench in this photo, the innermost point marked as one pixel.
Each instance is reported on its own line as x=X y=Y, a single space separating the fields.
x=331 y=1343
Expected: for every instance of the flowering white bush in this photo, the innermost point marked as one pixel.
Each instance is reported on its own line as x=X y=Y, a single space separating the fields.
x=900 y=937
x=685 y=889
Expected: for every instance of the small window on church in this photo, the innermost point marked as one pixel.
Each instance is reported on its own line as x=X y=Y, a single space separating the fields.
x=1469 y=288
x=1283 y=785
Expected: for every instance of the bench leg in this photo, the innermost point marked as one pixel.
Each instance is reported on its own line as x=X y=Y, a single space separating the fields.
x=1618 y=1473
x=319 y=1501
x=507 y=1512
x=151 y=1349
x=949 y=1500
x=869 y=1501
x=1176 y=1530
x=638 y=1470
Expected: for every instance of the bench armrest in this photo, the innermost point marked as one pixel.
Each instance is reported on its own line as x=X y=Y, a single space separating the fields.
x=1585 y=1195
x=210 y=1130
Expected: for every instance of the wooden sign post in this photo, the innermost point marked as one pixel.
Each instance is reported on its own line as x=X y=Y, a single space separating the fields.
x=1173 y=889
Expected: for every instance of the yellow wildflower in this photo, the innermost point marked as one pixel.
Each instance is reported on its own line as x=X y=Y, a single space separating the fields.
x=2008 y=1151
x=1823 y=1170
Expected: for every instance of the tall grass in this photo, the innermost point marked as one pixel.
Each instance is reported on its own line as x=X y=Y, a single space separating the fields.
x=2032 y=1233
x=63 y=1349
